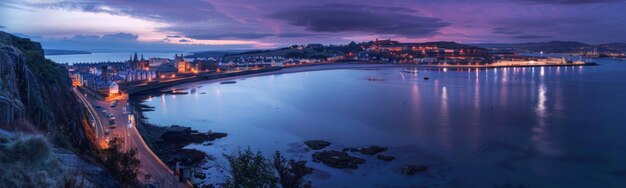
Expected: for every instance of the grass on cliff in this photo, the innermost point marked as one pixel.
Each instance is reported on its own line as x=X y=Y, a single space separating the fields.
x=28 y=161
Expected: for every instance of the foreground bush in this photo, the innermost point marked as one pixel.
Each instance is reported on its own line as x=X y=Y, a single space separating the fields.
x=123 y=165
x=291 y=173
x=249 y=169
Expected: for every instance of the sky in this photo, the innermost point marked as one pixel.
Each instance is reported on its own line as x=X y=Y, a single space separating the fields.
x=201 y=25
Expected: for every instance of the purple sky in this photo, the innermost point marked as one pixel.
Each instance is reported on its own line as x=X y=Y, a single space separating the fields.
x=194 y=25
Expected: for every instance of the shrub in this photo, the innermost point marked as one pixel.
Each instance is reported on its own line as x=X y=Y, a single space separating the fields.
x=123 y=165
x=292 y=172
x=248 y=169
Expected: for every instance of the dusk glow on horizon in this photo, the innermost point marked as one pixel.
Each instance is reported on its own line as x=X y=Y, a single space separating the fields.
x=195 y=25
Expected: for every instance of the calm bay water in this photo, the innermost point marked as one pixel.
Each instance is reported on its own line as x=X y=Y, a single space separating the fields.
x=531 y=127
x=103 y=57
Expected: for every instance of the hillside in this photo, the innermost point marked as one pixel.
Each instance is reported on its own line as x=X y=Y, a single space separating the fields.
x=38 y=91
x=36 y=98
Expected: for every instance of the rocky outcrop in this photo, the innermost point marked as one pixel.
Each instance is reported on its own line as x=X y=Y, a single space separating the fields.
x=385 y=158
x=372 y=150
x=337 y=159
x=316 y=144
x=412 y=169
x=38 y=92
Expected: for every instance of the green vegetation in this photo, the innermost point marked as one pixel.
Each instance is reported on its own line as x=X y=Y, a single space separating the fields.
x=249 y=169
x=292 y=172
x=28 y=161
x=123 y=165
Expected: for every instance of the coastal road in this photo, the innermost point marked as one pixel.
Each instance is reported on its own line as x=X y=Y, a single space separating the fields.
x=158 y=173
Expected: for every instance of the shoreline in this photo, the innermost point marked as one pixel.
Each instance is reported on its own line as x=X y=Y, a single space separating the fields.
x=337 y=66
x=148 y=130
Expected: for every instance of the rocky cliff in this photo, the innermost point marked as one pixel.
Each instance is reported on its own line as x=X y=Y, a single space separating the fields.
x=36 y=93
x=36 y=98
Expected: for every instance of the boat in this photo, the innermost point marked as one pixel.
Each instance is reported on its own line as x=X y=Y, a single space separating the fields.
x=426 y=78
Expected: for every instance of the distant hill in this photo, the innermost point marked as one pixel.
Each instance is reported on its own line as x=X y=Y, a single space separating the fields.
x=63 y=52
x=289 y=53
x=212 y=54
x=442 y=44
x=551 y=44
x=554 y=46
x=318 y=52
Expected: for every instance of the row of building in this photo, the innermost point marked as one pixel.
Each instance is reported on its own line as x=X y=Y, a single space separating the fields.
x=105 y=77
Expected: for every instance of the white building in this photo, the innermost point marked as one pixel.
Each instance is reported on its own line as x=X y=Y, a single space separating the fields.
x=114 y=88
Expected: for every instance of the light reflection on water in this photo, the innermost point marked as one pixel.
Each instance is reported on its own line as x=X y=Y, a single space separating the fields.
x=545 y=128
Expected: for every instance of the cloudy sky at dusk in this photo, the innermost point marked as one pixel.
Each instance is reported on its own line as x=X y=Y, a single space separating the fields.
x=193 y=25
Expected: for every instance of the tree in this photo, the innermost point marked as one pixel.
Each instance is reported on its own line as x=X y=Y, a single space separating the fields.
x=123 y=165
x=292 y=172
x=248 y=169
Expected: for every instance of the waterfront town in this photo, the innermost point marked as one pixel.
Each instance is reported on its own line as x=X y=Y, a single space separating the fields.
x=107 y=77
x=325 y=93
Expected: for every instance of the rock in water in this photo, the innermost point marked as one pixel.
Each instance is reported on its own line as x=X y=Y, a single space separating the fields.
x=385 y=157
x=410 y=169
x=350 y=149
x=373 y=150
x=317 y=144
x=337 y=159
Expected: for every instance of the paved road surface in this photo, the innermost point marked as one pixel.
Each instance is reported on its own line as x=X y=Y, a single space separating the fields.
x=151 y=165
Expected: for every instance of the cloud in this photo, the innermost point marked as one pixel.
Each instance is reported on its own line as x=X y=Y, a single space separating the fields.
x=2 y=27
x=174 y=36
x=334 y=18
x=164 y=10
x=115 y=37
x=230 y=36
x=567 y=2
x=127 y=42
x=506 y=31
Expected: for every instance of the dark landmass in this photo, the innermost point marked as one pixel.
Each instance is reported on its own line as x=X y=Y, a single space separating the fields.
x=536 y=45
x=211 y=54
x=323 y=52
x=63 y=52
x=317 y=53
x=555 y=47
